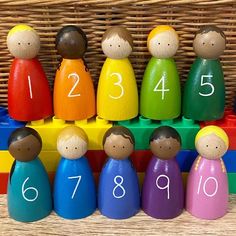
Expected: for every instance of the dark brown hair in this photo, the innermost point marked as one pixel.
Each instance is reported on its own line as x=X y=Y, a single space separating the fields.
x=209 y=28
x=121 y=32
x=119 y=130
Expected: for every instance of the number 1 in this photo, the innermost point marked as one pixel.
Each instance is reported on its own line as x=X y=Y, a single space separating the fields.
x=77 y=184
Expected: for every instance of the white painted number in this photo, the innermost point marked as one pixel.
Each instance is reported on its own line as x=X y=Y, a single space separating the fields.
x=204 y=186
x=76 y=77
x=118 y=83
x=167 y=186
x=77 y=184
x=163 y=89
x=207 y=84
x=118 y=185
x=30 y=87
x=24 y=190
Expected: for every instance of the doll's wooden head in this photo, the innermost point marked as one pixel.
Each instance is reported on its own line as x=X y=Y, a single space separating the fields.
x=209 y=42
x=72 y=142
x=24 y=144
x=165 y=142
x=117 y=43
x=71 y=42
x=211 y=142
x=163 y=42
x=118 y=142
x=23 y=42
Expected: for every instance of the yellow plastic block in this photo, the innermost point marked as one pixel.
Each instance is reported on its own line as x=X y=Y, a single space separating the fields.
x=6 y=161
x=50 y=128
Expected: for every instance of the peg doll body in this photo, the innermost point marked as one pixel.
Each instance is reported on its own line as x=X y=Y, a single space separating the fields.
x=204 y=90
x=29 y=96
x=117 y=94
x=74 y=187
x=118 y=191
x=163 y=192
x=160 y=97
x=74 y=96
x=207 y=186
x=29 y=192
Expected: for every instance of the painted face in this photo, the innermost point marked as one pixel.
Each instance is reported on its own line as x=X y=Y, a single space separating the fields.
x=211 y=147
x=71 y=45
x=164 y=45
x=24 y=44
x=118 y=147
x=165 y=148
x=116 y=47
x=72 y=148
x=26 y=149
x=209 y=45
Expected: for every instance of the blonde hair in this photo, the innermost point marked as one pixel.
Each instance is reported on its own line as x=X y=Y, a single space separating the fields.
x=19 y=28
x=159 y=29
x=212 y=129
x=71 y=132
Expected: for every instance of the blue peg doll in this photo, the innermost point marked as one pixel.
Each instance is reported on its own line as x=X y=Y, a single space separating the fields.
x=74 y=186
x=28 y=193
x=118 y=191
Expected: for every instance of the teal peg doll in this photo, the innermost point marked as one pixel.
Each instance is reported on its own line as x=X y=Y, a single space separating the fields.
x=204 y=91
x=160 y=96
x=29 y=193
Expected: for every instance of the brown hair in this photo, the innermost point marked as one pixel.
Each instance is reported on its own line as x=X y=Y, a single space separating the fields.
x=209 y=28
x=121 y=32
x=119 y=130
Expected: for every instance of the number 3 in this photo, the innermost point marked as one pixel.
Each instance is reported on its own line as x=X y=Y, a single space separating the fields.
x=118 y=83
x=207 y=84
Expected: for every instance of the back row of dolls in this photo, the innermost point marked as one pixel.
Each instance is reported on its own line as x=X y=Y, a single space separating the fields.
x=29 y=95
x=74 y=192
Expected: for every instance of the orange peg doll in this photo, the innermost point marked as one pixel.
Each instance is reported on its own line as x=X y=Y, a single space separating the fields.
x=74 y=96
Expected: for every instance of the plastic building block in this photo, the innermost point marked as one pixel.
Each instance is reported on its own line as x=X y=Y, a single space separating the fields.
x=142 y=129
x=232 y=182
x=228 y=124
x=49 y=129
x=6 y=161
x=7 y=125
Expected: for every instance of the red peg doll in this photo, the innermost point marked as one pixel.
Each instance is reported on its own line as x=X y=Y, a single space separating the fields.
x=29 y=96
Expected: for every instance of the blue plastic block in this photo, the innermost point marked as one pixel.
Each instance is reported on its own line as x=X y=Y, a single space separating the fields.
x=7 y=126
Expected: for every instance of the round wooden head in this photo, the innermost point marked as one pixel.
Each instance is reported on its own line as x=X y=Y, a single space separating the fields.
x=211 y=142
x=209 y=42
x=118 y=142
x=23 y=42
x=72 y=142
x=71 y=42
x=165 y=142
x=24 y=144
x=117 y=43
x=163 y=42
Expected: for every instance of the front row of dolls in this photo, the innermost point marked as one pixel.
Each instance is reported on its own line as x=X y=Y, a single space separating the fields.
x=118 y=197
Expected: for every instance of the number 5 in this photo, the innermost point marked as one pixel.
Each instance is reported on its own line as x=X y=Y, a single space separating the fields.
x=207 y=84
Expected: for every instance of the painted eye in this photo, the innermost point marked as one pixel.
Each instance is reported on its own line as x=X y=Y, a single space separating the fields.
x=216 y=147
x=28 y=43
x=18 y=149
x=207 y=145
x=76 y=148
x=203 y=43
x=66 y=147
x=114 y=146
x=18 y=43
x=212 y=44
x=123 y=147
x=160 y=147
x=119 y=45
x=159 y=43
x=110 y=45
x=28 y=149
x=168 y=44
x=169 y=148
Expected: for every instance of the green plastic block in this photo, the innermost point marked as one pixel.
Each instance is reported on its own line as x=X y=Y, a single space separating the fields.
x=142 y=128
x=232 y=182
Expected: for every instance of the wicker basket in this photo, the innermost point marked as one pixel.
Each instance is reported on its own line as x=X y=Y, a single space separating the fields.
x=139 y=16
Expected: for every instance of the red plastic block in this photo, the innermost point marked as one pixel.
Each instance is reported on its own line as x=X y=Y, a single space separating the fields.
x=96 y=159
x=140 y=159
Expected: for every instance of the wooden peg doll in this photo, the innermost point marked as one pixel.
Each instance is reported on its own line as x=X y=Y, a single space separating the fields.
x=163 y=192
x=29 y=96
x=74 y=96
x=29 y=193
x=207 y=186
x=118 y=191
x=160 y=97
x=204 y=91
x=117 y=94
x=74 y=186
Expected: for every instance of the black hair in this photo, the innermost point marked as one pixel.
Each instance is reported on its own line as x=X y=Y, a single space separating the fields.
x=21 y=133
x=165 y=132
x=119 y=130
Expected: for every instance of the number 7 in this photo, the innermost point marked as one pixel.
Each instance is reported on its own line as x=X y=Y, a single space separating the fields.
x=77 y=184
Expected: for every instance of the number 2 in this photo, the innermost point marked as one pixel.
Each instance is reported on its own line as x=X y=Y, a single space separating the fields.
x=118 y=83
x=70 y=94
x=207 y=84
x=77 y=184
x=163 y=89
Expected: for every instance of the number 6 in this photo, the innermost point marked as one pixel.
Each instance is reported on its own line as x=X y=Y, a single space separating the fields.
x=28 y=189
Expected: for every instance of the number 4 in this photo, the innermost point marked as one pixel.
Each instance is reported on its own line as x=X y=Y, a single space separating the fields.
x=163 y=89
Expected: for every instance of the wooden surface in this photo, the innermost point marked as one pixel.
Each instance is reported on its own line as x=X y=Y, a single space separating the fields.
x=138 y=225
